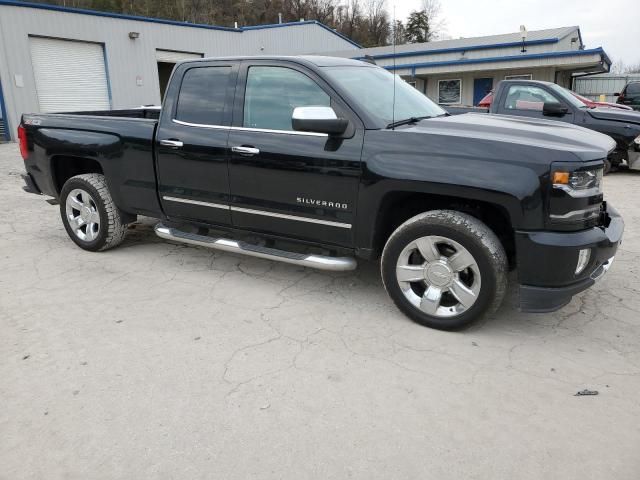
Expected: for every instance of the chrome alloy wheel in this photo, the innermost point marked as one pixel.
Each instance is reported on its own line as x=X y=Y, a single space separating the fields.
x=82 y=214
x=438 y=276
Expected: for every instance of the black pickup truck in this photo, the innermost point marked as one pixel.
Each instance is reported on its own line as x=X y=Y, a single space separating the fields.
x=315 y=161
x=537 y=99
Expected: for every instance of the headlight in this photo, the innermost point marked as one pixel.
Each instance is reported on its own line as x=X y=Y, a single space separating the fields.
x=579 y=183
x=637 y=140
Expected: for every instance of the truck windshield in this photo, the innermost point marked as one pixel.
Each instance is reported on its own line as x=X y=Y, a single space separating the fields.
x=372 y=89
x=567 y=96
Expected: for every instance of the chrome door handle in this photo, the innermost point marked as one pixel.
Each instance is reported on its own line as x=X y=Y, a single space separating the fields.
x=171 y=143
x=246 y=150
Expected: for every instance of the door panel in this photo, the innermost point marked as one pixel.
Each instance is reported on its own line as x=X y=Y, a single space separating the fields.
x=481 y=86
x=297 y=185
x=192 y=151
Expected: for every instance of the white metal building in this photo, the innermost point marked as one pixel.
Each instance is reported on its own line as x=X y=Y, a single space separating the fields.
x=462 y=71
x=607 y=84
x=60 y=59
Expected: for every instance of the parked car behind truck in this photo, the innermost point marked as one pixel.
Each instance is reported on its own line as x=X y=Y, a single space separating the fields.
x=315 y=161
x=630 y=95
x=537 y=99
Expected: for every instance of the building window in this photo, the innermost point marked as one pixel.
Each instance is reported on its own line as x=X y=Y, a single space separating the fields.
x=449 y=91
x=524 y=76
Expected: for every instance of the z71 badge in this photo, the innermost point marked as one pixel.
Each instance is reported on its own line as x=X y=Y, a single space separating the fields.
x=322 y=203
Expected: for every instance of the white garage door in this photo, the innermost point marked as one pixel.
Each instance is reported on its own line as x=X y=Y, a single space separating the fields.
x=69 y=75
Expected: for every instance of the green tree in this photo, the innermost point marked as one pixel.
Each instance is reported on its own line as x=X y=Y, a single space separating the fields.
x=418 y=29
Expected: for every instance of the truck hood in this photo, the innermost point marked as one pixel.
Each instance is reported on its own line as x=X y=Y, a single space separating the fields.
x=507 y=129
x=627 y=116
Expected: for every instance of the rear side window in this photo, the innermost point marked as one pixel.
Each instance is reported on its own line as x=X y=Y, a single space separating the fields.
x=202 y=95
x=273 y=92
x=633 y=89
x=528 y=97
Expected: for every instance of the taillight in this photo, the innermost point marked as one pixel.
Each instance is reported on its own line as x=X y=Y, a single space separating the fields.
x=22 y=139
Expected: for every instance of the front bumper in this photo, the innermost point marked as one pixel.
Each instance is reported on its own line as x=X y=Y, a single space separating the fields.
x=547 y=262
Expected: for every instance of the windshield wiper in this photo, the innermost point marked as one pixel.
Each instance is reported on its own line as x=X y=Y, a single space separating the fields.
x=407 y=121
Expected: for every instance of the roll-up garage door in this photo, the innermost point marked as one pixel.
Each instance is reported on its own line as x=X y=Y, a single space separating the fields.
x=69 y=75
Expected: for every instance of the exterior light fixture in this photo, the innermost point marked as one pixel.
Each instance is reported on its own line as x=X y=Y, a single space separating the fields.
x=134 y=35
x=523 y=35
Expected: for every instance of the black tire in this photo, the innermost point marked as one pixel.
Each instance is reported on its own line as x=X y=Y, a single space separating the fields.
x=469 y=232
x=110 y=230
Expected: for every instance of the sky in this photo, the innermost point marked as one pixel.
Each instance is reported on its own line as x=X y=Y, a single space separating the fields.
x=611 y=24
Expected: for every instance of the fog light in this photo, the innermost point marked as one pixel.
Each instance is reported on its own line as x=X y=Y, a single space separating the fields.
x=583 y=259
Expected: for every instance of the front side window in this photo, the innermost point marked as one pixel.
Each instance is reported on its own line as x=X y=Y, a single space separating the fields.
x=527 y=97
x=202 y=95
x=272 y=93
x=449 y=91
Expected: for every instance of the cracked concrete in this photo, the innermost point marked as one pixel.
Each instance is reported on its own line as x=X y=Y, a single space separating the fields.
x=157 y=360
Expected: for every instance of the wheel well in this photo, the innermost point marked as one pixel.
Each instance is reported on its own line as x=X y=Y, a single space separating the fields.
x=399 y=207
x=63 y=168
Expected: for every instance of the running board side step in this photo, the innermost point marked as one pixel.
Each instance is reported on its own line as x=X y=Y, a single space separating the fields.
x=335 y=264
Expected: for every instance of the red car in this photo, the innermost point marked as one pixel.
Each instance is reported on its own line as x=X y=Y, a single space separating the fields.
x=488 y=98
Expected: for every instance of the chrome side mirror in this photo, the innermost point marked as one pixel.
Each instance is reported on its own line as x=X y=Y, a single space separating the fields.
x=318 y=120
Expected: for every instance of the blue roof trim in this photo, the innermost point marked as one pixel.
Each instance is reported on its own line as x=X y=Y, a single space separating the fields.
x=508 y=58
x=543 y=41
x=121 y=16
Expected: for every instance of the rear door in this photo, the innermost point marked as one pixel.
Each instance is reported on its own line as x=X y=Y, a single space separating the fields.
x=191 y=142
x=288 y=183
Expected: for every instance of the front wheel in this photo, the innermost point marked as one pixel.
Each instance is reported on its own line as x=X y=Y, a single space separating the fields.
x=88 y=213
x=444 y=269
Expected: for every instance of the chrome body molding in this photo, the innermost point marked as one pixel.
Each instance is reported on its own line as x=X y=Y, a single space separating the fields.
x=257 y=212
x=577 y=213
x=248 y=129
x=195 y=202
x=336 y=264
x=291 y=217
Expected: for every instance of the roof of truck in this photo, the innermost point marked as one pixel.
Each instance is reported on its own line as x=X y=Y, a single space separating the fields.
x=315 y=60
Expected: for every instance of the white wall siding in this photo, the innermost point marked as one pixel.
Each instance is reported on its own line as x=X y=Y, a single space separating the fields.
x=606 y=84
x=131 y=64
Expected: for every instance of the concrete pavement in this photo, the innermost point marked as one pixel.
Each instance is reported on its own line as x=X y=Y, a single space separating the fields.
x=156 y=360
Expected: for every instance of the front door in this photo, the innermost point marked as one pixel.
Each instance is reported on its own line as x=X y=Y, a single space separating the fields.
x=192 y=152
x=481 y=86
x=287 y=183
x=528 y=100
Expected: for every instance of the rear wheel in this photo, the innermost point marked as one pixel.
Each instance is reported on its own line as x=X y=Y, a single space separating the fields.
x=444 y=269
x=88 y=213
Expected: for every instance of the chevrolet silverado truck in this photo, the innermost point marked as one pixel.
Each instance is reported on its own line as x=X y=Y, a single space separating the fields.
x=537 y=99
x=319 y=161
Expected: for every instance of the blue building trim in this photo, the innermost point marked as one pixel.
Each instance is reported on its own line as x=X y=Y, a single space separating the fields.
x=470 y=48
x=508 y=58
x=121 y=16
x=5 y=119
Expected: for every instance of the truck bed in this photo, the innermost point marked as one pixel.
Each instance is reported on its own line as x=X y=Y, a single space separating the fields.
x=119 y=141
